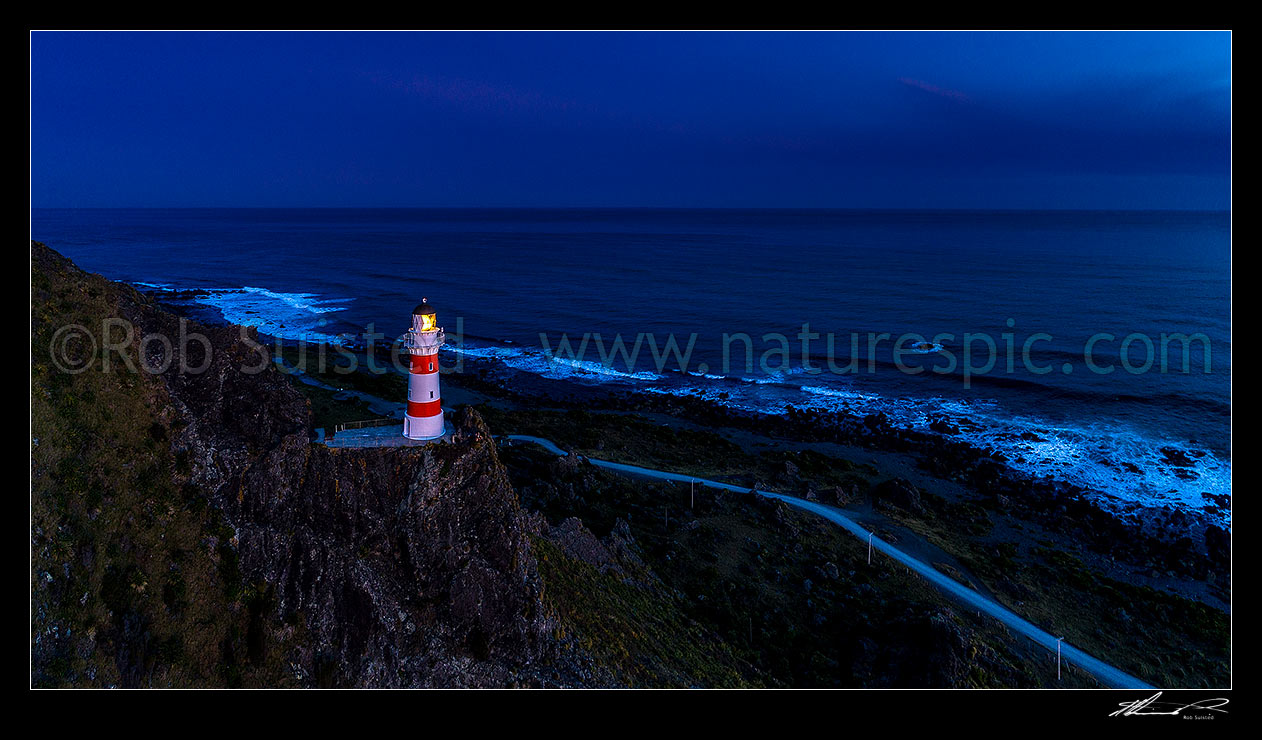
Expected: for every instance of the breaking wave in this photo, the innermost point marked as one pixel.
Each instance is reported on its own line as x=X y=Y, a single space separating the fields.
x=296 y=316
x=540 y=363
x=1131 y=469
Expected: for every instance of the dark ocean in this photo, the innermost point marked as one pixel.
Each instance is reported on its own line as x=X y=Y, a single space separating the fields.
x=503 y=277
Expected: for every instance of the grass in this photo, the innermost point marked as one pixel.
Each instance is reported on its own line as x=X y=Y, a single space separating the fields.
x=133 y=577
x=636 y=440
x=1165 y=639
x=339 y=368
x=645 y=636
x=786 y=593
x=327 y=410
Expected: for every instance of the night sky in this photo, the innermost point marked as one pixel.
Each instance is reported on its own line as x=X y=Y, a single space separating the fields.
x=912 y=120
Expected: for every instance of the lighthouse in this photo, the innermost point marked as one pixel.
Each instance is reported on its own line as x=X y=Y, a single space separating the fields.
x=424 y=417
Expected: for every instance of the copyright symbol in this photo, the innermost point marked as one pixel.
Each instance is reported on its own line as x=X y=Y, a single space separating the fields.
x=60 y=349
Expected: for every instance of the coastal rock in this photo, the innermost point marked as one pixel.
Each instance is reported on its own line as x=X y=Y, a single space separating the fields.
x=390 y=567
x=1218 y=543
x=572 y=462
x=1176 y=457
x=877 y=422
x=622 y=544
x=986 y=473
x=360 y=544
x=416 y=567
x=898 y=492
x=578 y=542
x=844 y=495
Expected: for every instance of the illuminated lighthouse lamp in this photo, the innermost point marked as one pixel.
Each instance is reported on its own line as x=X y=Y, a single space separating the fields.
x=424 y=416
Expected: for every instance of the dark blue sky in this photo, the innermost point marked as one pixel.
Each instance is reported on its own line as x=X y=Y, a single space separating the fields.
x=949 y=120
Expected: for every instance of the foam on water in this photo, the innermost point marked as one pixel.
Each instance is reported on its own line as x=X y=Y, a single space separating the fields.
x=538 y=362
x=1130 y=469
x=841 y=392
x=1003 y=265
x=1133 y=468
x=928 y=350
x=777 y=376
x=162 y=287
x=296 y=316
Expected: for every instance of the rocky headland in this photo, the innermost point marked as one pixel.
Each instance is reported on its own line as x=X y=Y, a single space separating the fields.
x=187 y=531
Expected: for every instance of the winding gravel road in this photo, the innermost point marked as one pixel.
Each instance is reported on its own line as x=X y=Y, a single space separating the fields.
x=1103 y=672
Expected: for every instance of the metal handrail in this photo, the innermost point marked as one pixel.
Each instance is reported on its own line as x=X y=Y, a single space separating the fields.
x=364 y=424
x=424 y=340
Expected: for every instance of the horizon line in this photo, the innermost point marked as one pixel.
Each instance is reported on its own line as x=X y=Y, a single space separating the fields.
x=633 y=208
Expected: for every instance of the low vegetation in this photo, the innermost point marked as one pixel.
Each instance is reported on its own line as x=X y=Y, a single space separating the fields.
x=134 y=581
x=1157 y=636
x=787 y=594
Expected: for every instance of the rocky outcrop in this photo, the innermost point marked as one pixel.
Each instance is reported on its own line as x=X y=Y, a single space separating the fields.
x=1192 y=548
x=898 y=492
x=404 y=566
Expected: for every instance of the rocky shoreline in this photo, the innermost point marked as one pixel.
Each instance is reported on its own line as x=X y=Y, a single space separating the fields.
x=1169 y=550
x=1166 y=541
x=196 y=536
x=1159 y=544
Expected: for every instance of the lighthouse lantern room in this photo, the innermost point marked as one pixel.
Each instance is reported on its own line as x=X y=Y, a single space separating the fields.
x=424 y=416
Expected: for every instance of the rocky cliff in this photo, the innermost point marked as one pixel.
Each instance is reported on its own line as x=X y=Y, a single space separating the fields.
x=186 y=531
x=241 y=553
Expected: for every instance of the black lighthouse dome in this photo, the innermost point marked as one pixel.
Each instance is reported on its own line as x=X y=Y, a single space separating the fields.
x=422 y=308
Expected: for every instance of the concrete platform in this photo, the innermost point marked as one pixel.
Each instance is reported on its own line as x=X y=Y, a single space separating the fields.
x=388 y=436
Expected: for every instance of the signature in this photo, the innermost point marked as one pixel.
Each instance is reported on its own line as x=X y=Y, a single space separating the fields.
x=1151 y=706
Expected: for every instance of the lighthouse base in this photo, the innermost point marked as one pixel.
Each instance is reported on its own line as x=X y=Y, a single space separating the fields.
x=424 y=427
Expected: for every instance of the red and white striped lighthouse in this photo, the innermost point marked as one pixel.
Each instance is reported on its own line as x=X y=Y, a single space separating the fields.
x=424 y=417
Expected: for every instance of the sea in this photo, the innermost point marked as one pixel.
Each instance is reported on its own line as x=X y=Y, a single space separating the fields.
x=1092 y=347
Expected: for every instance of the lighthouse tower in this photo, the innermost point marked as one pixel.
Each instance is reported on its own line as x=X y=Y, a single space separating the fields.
x=424 y=417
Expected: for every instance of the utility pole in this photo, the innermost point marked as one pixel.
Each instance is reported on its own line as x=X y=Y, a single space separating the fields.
x=692 y=494
x=1058 y=641
x=870 y=548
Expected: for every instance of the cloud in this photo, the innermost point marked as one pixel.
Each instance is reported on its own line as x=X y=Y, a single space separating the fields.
x=483 y=96
x=934 y=89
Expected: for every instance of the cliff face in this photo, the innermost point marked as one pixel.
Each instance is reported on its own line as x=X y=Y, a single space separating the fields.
x=375 y=567
x=404 y=567
x=186 y=532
